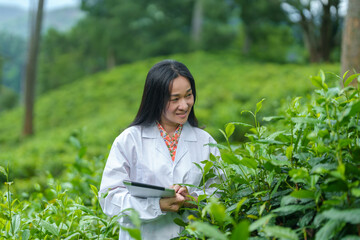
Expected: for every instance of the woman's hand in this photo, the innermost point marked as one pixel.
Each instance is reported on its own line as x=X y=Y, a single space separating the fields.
x=172 y=204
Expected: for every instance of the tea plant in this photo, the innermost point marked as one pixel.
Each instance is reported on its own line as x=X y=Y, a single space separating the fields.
x=66 y=209
x=298 y=183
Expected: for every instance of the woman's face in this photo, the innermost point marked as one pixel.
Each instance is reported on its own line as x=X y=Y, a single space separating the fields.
x=179 y=106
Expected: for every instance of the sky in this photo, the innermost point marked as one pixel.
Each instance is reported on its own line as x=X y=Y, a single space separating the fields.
x=49 y=4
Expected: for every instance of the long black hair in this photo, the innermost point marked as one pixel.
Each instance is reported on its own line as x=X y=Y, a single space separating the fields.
x=157 y=92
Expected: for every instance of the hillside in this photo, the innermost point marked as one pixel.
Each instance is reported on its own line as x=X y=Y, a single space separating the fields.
x=99 y=107
x=14 y=20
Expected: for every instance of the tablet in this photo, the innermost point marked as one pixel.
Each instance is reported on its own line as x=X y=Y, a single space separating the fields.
x=144 y=190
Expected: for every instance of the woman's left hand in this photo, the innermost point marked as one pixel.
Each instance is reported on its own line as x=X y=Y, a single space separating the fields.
x=185 y=193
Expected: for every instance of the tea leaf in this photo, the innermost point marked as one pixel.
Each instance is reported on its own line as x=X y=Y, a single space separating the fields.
x=208 y=230
x=249 y=162
x=350 y=79
x=349 y=215
x=329 y=230
x=287 y=210
x=230 y=158
x=268 y=119
x=229 y=129
x=180 y=222
x=259 y=105
x=25 y=234
x=261 y=222
x=316 y=81
x=280 y=232
x=49 y=227
x=2 y=170
x=303 y=194
x=241 y=231
x=133 y=232
x=355 y=109
x=208 y=166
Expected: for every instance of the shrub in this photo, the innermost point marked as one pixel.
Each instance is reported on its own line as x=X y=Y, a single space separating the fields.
x=298 y=183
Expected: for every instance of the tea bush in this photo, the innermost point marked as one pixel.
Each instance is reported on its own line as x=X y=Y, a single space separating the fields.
x=301 y=182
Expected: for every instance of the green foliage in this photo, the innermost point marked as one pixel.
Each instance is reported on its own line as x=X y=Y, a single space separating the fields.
x=105 y=104
x=298 y=183
x=66 y=208
x=8 y=98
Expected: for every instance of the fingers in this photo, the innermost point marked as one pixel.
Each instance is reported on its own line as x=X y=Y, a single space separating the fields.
x=176 y=187
x=183 y=191
x=172 y=204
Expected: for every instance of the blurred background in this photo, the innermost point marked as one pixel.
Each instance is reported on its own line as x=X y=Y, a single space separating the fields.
x=77 y=68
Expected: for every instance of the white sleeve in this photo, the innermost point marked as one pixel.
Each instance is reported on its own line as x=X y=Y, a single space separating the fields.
x=113 y=195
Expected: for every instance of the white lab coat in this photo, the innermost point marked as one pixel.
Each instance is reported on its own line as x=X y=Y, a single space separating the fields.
x=140 y=154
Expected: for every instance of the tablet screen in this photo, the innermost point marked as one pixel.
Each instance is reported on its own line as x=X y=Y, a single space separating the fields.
x=138 y=189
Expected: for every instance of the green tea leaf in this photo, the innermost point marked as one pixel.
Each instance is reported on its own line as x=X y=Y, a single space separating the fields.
x=25 y=234
x=351 y=237
x=355 y=109
x=261 y=222
x=241 y=231
x=180 y=222
x=249 y=162
x=133 y=232
x=268 y=119
x=2 y=170
x=242 y=124
x=208 y=166
x=329 y=230
x=307 y=194
x=259 y=105
x=280 y=232
x=16 y=221
x=350 y=79
x=349 y=215
x=72 y=236
x=316 y=81
x=208 y=230
x=287 y=210
x=229 y=129
x=230 y=158
x=49 y=227
x=289 y=151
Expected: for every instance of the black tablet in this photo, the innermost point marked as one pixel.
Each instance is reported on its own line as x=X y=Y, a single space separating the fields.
x=144 y=190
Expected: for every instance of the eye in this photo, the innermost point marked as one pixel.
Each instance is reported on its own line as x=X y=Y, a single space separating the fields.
x=174 y=99
x=189 y=95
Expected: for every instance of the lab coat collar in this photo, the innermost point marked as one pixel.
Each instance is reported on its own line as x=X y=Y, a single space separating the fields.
x=187 y=135
x=152 y=131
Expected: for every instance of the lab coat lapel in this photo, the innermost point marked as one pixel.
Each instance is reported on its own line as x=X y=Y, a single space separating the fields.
x=187 y=135
x=152 y=131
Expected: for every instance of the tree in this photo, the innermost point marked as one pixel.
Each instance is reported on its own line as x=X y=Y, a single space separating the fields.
x=31 y=67
x=350 y=56
x=267 y=32
x=197 y=21
x=320 y=23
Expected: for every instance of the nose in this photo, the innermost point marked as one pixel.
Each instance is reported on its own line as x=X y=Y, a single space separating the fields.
x=183 y=104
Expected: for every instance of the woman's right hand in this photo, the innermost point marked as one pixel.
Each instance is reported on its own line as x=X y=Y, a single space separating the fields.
x=172 y=204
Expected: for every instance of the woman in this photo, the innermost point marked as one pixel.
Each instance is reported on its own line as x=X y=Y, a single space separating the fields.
x=160 y=147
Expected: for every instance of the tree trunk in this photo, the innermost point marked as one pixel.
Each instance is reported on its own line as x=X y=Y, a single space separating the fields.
x=197 y=21
x=110 y=60
x=350 y=48
x=310 y=40
x=325 y=32
x=30 y=77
